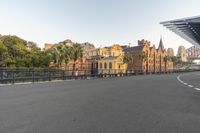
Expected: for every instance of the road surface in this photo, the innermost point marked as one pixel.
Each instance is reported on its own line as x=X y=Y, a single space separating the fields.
x=139 y=104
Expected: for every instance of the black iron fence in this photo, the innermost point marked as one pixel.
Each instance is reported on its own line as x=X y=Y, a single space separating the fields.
x=19 y=75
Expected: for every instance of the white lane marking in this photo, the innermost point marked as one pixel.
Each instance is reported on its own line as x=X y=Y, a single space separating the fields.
x=197 y=89
x=178 y=78
x=191 y=86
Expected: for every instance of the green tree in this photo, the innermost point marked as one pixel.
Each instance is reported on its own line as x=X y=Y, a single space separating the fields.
x=16 y=49
x=4 y=55
x=60 y=54
x=77 y=53
x=29 y=58
x=144 y=58
x=54 y=55
x=166 y=59
x=175 y=61
x=35 y=55
x=67 y=55
x=45 y=59
x=128 y=58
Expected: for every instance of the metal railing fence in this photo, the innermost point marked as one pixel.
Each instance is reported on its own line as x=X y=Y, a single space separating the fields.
x=20 y=75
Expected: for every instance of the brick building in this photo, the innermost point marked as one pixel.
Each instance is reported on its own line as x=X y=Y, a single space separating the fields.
x=147 y=58
x=83 y=66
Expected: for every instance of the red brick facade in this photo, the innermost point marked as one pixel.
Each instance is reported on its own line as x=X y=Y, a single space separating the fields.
x=148 y=59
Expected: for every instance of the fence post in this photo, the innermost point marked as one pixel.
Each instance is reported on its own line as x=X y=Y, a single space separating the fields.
x=33 y=76
x=13 y=77
x=49 y=72
x=1 y=75
x=63 y=75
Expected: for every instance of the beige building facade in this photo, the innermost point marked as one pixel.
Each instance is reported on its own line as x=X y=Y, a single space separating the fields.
x=181 y=54
x=107 y=60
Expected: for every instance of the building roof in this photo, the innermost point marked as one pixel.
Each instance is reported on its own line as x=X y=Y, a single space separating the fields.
x=187 y=28
x=125 y=47
x=87 y=46
x=136 y=48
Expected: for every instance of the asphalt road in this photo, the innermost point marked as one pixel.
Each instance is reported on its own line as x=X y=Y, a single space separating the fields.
x=139 y=104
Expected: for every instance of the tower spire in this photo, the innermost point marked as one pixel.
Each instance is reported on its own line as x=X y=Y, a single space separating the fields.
x=161 y=43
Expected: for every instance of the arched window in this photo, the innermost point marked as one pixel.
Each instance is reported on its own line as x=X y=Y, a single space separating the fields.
x=92 y=66
x=110 y=65
x=105 y=65
x=100 y=65
x=97 y=65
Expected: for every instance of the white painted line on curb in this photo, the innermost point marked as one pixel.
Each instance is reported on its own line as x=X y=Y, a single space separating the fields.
x=5 y=85
x=23 y=83
x=41 y=82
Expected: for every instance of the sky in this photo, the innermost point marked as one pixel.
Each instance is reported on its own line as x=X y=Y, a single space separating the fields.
x=101 y=22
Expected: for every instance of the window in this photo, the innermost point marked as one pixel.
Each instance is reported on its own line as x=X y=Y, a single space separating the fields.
x=105 y=65
x=100 y=65
x=92 y=65
x=110 y=65
x=97 y=65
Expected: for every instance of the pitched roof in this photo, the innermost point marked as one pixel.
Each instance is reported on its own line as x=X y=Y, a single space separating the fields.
x=130 y=49
x=125 y=47
x=87 y=46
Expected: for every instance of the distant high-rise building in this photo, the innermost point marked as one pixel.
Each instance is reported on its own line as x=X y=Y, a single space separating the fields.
x=193 y=52
x=170 y=52
x=181 y=54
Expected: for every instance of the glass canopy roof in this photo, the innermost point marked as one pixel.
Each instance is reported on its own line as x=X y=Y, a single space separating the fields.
x=187 y=28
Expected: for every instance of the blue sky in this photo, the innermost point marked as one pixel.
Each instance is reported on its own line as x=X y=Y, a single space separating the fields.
x=101 y=22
